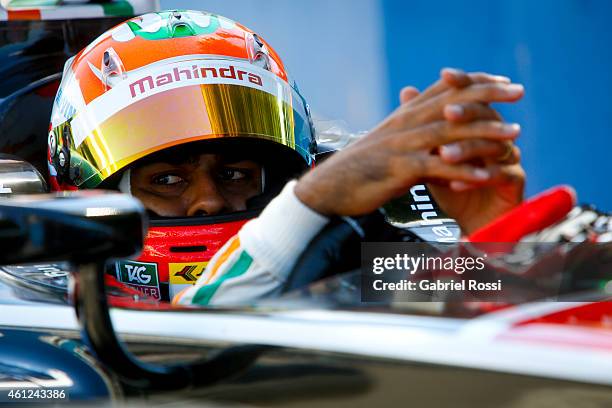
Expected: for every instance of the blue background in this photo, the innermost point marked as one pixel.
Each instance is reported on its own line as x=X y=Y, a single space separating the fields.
x=351 y=58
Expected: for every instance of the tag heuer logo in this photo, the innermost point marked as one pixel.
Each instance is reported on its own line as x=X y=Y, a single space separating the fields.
x=137 y=273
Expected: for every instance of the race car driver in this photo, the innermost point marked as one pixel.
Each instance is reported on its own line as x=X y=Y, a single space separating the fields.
x=195 y=115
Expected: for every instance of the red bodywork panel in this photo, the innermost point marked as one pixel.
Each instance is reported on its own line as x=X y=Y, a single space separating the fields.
x=587 y=325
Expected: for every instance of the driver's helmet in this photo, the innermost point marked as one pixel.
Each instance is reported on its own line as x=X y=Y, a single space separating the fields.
x=174 y=83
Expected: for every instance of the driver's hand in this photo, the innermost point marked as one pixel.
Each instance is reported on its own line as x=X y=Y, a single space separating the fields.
x=405 y=148
x=473 y=205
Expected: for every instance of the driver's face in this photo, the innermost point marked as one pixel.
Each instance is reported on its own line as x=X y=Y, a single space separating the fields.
x=205 y=184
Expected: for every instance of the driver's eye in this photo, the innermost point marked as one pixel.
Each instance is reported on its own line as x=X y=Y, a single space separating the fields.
x=167 y=180
x=232 y=174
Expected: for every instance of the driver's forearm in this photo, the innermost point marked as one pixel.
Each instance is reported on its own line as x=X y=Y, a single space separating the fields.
x=256 y=262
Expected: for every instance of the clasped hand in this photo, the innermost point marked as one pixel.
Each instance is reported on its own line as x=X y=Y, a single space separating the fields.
x=448 y=136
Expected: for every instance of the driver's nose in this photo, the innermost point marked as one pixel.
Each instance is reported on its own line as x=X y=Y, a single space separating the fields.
x=204 y=197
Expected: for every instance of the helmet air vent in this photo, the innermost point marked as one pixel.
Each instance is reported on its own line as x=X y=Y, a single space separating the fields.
x=258 y=52
x=179 y=25
x=113 y=70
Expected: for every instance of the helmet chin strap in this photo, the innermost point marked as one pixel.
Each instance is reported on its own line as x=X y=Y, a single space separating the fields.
x=125 y=185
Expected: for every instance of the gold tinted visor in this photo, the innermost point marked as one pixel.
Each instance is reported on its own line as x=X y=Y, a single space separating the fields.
x=186 y=114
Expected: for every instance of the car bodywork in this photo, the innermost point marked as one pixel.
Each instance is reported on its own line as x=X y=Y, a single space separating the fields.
x=320 y=349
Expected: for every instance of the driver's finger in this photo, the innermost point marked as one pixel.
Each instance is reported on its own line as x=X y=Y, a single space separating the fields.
x=498 y=175
x=467 y=150
x=407 y=94
x=443 y=132
x=477 y=93
x=460 y=79
x=455 y=78
x=433 y=168
x=487 y=93
x=467 y=112
x=461 y=186
x=449 y=78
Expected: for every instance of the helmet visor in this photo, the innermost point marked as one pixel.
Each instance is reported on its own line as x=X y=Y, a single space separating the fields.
x=182 y=102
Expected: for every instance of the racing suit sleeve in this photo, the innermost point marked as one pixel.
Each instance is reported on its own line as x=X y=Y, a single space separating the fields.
x=255 y=262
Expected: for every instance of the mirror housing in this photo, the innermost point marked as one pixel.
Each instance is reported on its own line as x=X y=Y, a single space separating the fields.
x=87 y=228
x=19 y=177
x=82 y=227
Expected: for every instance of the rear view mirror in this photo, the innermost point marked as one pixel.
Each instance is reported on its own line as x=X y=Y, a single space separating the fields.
x=81 y=227
x=19 y=177
x=87 y=228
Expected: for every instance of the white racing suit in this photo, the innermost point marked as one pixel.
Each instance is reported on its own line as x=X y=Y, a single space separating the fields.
x=256 y=262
